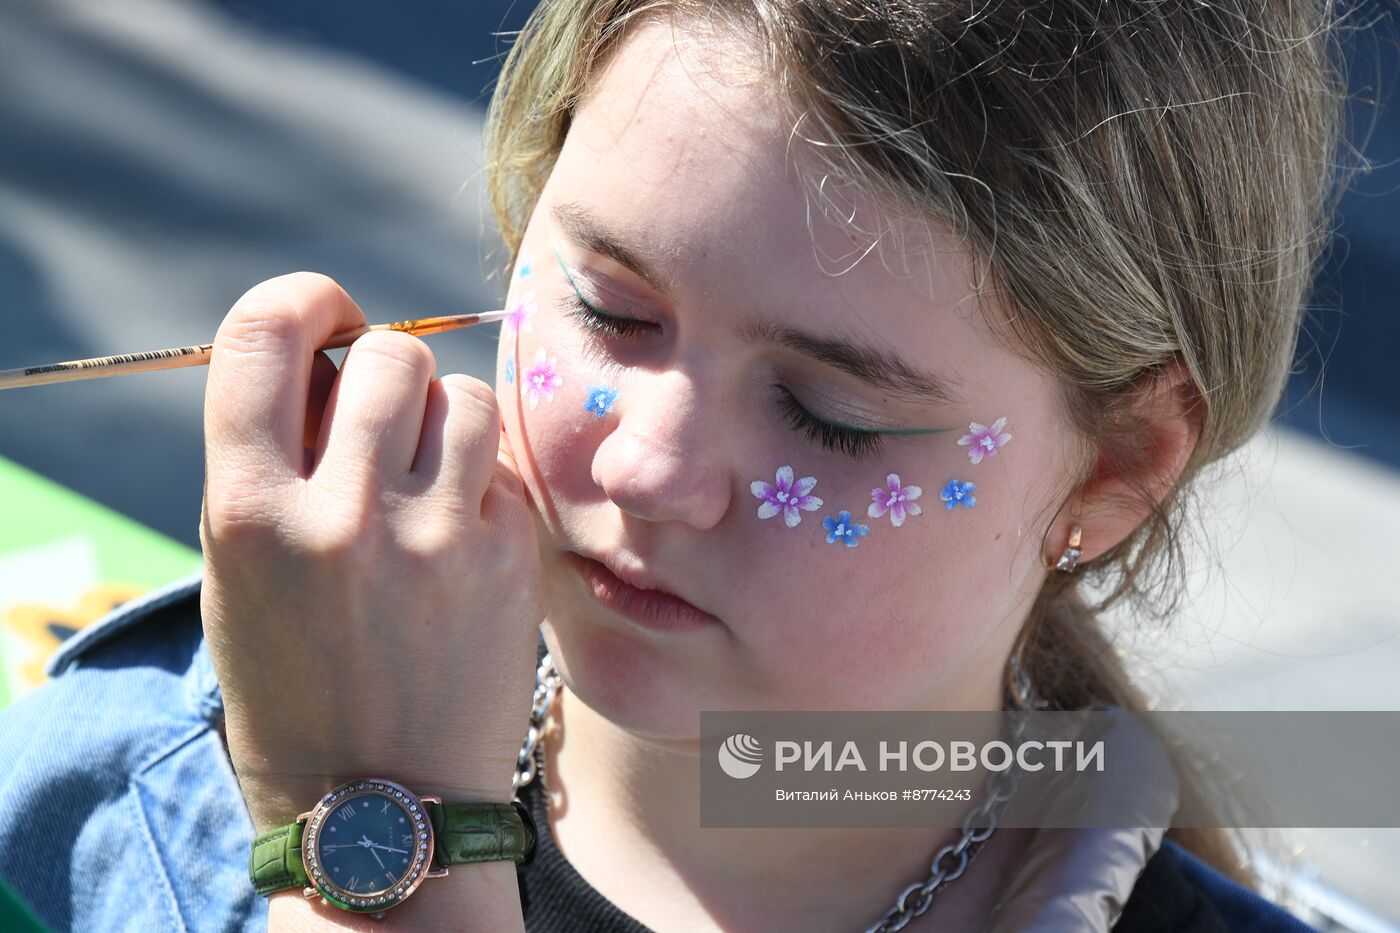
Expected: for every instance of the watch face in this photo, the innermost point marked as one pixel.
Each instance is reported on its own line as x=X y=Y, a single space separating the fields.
x=367 y=845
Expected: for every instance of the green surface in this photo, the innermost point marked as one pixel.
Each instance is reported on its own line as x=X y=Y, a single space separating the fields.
x=38 y=510
x=65 y=561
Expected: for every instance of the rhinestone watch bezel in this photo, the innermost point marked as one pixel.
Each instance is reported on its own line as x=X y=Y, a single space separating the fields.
x=373 y=902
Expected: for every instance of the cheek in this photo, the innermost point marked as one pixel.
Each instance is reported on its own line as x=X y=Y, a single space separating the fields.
x=882 y=576
x=557 y=405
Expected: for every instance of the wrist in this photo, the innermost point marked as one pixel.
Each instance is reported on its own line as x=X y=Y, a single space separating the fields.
x=368 y=845
x=275 y=800
x=483 y=896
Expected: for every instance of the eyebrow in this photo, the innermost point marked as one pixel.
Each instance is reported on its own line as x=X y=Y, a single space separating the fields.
x=865 y=361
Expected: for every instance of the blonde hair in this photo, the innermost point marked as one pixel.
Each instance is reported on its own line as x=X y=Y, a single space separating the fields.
x=1147 y=183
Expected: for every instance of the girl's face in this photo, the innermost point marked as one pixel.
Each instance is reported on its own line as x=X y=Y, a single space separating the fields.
x=683 y=434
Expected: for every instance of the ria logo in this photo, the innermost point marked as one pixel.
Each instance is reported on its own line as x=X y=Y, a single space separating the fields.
x=740 y=755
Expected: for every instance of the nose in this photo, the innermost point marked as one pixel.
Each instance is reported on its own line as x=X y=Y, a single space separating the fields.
x=665 y=459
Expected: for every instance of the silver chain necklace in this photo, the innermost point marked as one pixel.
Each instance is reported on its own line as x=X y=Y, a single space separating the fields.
x=914 y=900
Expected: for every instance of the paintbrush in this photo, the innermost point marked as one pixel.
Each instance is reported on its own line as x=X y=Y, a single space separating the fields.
x=199 y=354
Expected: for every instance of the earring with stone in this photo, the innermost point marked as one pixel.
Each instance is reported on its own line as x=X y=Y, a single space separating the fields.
x=1070 y=558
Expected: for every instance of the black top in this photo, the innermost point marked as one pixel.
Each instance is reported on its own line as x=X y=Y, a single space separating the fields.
x=553 y=895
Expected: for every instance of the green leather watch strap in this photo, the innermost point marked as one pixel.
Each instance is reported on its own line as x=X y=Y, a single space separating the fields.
x=482 y=832
x=275 y=861
x=462 y=833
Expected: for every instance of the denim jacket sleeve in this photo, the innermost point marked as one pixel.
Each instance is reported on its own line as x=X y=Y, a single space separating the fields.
x=119 y=809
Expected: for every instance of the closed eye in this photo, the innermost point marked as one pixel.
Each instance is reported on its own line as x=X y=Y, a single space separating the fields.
x=600 y=322
x=852 y=442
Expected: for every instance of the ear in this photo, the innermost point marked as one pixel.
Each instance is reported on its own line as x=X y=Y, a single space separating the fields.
x=1165 y=418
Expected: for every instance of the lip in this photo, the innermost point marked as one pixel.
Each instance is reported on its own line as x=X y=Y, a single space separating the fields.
x=635 y=595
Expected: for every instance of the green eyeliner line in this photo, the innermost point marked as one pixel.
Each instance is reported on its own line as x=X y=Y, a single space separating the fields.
x=588 y=304
x=572 y=284
x=899 y=432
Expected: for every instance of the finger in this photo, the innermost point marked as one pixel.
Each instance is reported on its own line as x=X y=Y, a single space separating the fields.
x=427 y=463
x=260 y=371
x=323 y=373
x=507 y=500
x=469 y=437
x=375 y=411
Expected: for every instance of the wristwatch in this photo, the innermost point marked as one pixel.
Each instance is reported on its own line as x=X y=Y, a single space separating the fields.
x=368 y=845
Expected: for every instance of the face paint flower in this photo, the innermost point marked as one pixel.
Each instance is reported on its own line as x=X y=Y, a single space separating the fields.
x=540 y=380
x=519 y=317
x=786 y=497
x=896 y=499
x=510 y=369
x=983 y=440
x=841 y=528
x=956 y=492
x=600 y=399
x=523 y=270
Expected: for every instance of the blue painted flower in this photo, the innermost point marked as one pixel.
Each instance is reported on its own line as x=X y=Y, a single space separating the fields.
x=956 y=492
x=510 y=369
x=841 y=528
x=523 y=272
x=600 y=399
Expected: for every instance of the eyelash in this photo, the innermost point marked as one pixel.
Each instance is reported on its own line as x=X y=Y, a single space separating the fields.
x=852 y=443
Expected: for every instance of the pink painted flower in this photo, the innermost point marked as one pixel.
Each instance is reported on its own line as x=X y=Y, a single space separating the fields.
x=896 y=499
x=540 y=380
x=984 y=441
x=786 y=497
x=519 y=317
